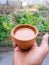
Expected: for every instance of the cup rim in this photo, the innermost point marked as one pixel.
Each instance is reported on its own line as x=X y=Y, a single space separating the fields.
x=12 y=32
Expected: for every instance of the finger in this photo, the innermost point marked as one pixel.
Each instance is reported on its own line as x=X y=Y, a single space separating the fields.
x=17 y=49
x=44 y=43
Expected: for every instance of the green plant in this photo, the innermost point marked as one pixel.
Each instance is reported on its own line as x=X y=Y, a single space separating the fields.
x=36 y=14
x=7 y=12
x=43 y=10
x=6 y=43
x=32 y=19
x=42 y=7
x=38 y=39
x=5 y=27
x=23 y=18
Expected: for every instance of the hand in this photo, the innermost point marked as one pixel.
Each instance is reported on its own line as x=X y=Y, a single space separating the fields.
x=34 y=56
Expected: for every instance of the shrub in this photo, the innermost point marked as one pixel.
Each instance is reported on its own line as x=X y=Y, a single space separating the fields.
x=23 y=18
x=33 y=19
x=5 y=27
x=42 y=7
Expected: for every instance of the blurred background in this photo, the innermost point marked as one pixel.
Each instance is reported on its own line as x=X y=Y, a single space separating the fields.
x=15 y=12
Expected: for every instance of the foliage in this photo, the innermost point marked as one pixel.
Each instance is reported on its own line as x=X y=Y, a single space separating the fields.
x=5 y=26
x=23 y=17
x=38 y=39
x=36 y=14
x=8 y=12
x=6 y=43
x=33 y=19
x=44 y=10
x=42 y=7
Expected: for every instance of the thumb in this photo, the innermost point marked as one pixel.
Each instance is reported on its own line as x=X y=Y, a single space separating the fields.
x=44 y=42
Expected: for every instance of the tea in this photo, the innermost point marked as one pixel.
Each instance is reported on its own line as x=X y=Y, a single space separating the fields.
x=24 y=34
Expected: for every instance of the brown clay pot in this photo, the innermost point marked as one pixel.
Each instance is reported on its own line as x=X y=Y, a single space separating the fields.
x=22 y=44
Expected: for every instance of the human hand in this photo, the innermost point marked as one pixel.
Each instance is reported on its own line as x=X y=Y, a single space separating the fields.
x=34 y=56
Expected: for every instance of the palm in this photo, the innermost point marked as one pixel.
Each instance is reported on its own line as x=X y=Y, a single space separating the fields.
x=34 y=56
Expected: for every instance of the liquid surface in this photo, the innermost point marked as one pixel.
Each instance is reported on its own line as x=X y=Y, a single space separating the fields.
x=24 y=34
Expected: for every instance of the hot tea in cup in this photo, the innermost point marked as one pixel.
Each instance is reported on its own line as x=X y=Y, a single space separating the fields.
x=24 y=36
